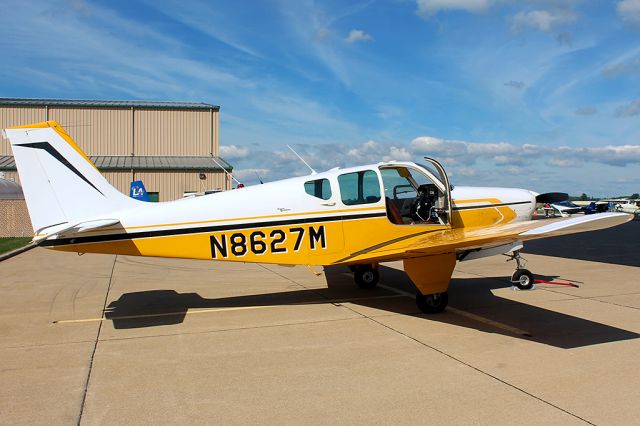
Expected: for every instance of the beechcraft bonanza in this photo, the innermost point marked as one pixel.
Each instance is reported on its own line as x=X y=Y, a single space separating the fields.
x=357 y=217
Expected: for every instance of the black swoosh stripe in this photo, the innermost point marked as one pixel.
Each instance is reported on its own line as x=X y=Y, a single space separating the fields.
x=204 y=229
x=384 y=244
x=486 y=206
x=46 y=146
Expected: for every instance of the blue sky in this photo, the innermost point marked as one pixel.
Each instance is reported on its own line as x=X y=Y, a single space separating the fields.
x=538 y=94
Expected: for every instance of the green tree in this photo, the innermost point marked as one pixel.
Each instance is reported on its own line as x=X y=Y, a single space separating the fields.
x=584 y=197
x=635 y=196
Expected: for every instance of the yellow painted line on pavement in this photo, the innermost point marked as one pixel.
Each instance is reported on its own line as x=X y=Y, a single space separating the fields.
x=212 y=310
x=166 y=314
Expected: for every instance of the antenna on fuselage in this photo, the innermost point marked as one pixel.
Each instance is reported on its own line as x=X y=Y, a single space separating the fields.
x=225 y=170
x=261 y=182
x=313 y=172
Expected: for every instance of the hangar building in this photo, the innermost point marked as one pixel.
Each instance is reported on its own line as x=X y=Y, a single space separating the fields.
x=172 y=147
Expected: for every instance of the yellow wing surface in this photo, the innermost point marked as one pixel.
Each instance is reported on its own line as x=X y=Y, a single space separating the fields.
x=459 y=240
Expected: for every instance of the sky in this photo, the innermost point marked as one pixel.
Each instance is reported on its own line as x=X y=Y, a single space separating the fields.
x=537 y=94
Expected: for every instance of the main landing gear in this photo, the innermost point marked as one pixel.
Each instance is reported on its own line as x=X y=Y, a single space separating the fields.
x=365 y=276
x=521 y=278
x=432 y=303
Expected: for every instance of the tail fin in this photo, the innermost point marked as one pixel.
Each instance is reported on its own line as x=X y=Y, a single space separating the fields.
x=138 y=191
x=61 y=185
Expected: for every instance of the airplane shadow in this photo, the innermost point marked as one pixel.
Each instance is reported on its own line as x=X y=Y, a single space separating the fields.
x=474 y=307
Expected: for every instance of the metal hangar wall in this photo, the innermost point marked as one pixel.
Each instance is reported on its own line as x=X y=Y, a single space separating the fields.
x=172 y=147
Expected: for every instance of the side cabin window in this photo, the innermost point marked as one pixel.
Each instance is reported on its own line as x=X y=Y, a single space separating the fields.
x=319 y=188
x=359 y=187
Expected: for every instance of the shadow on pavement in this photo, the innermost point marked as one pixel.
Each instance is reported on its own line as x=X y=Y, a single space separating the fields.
x=618 y=245
x=472 y=295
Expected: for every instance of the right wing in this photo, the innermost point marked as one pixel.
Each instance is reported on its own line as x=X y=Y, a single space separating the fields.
x=461 y=240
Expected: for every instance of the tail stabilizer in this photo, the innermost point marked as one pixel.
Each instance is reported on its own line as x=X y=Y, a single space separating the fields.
x=61 y=185
x=138 y=191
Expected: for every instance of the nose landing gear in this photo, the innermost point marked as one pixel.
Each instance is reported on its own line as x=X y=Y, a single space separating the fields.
x=521 y=278
x=366 y=276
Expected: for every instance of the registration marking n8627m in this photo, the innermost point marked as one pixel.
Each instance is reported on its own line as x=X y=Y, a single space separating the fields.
x=258 y=242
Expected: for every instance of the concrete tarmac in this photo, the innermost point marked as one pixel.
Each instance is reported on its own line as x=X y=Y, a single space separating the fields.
x=98 y=339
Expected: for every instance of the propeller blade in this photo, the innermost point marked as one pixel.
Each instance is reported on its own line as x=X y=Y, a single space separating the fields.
x=552 y=197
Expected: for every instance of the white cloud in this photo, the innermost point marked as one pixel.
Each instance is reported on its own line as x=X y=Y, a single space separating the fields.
x=629 y=110
x=432 y=7
x=586 y=111
x=542 y=20
x=356 y=36
x=251 y=174
x=622 y=68
x=517 y=85
x=233 y=152
x=629 y=11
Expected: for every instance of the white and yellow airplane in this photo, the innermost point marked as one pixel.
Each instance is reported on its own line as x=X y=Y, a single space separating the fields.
x=358 y=217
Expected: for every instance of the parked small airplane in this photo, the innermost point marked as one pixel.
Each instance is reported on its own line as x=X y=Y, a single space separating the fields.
x=358 y=217
x=567 y=208
x=138 y=191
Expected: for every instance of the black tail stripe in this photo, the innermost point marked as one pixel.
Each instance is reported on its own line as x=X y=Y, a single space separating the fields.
x=203 y=229
x=46 y=146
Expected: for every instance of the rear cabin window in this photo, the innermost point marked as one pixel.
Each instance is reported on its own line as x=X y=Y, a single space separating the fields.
x=359 y=187
x=318 y=188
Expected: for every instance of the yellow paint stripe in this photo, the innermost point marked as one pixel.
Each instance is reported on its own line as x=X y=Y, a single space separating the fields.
x=41 y=125
x=213 y=310
x=165 y=314
x=63 y=133
x=59 y=130
x=160 y=225
x=478 y=200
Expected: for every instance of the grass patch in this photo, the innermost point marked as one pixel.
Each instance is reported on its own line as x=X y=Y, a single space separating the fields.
x=9 y=244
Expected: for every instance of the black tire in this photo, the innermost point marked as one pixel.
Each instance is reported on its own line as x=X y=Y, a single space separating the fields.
x=523 y=279
x=432 y=303
x=366 y=276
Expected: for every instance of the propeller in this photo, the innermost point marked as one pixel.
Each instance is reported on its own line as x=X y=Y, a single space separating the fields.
x=551 y=197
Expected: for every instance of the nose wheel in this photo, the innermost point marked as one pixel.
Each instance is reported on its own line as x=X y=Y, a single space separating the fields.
x=521 y=278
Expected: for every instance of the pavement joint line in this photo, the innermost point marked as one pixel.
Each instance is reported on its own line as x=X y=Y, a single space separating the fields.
x=229 y=309
x=595 y=298
x=95 y=346
x=479 y=370
x=225 y=330
x=45 y=345
x=470 y=315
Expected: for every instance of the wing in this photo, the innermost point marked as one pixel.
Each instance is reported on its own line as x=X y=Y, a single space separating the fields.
x=462 y=240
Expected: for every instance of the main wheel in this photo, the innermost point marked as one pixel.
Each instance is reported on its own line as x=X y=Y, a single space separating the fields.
x=523 y=279
x=366 y=276
x=432 y=303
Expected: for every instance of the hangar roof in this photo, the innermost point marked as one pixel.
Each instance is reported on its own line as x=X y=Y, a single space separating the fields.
x=147 y=162
x=106 y=104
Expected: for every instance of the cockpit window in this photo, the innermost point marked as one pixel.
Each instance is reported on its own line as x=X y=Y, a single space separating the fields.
x=318 y=188
x=359 y=187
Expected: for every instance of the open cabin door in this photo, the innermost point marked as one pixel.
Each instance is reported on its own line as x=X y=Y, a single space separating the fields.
x=445 y=186
x=417 y=194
